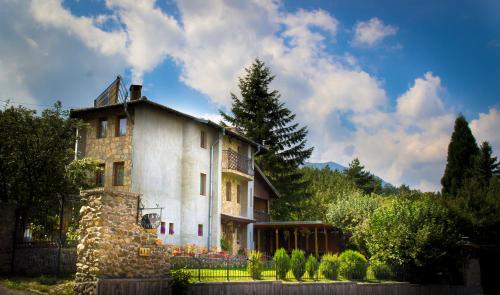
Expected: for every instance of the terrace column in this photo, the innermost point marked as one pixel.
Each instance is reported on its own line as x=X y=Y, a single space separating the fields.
x=316 y=241
x=277 y=247
x=295 y=232
x=258 y=239
x=326 y=241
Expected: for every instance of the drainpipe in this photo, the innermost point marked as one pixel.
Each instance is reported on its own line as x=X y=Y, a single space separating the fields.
x=210 y=195
x=76 y=145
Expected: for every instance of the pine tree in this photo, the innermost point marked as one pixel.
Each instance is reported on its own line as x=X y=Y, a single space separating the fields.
x=261 y=116
x=364 y=179
x=485 y=165
x=462 y=151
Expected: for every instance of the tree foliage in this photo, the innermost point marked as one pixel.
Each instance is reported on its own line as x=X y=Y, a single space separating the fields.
x=325 y=187
x=411 y=232
x=260 y=115
x=363 y=179
x=36 y=154
x=462 y=151
x=351 y=214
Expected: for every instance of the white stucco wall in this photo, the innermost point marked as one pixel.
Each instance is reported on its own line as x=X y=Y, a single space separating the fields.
x=166 y=164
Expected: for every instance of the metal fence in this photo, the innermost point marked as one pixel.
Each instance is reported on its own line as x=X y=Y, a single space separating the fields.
x=44 y=241
x=234 y=268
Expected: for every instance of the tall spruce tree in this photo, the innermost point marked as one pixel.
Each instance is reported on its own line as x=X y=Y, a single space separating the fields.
x=485 y=165
x=261 y=116
x=462 y=152
x=364 y=179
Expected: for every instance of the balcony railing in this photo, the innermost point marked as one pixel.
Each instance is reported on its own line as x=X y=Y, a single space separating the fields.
x=233 y=161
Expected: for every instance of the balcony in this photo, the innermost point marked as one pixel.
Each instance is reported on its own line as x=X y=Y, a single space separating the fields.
x=237 y=164
x=261 y=216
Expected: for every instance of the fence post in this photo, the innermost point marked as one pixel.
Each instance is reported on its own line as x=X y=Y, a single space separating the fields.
x=227 y=268
x=61 y=221
x=317 y=273
x=275 y=271
x=199 y=270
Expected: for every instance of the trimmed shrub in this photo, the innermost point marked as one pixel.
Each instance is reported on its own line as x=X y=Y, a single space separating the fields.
x=254 y=266
x=181 y=279
x=298 y=262
x=352 y=265
x=380 y=270
x=329 y=266
x=311 y=266
x=282 y=263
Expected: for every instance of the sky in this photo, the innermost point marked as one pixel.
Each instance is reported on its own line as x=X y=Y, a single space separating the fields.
x=379 y=80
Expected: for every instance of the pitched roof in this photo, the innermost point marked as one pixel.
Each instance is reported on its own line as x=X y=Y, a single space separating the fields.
x=146 y=102
x=269 y=184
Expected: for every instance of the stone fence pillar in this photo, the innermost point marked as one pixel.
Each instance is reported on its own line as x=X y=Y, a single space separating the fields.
x=110 y=240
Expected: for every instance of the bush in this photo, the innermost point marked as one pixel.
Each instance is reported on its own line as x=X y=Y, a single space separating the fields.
x=180 y=281
x=282 y=263
x=311 y=266
x=352 y=265
x=225 y=245
x=329 y=266
x=298 y=262
x=380 y=270
x=254 y=266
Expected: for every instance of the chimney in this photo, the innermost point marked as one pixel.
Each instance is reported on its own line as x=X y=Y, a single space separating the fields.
x=135 y=92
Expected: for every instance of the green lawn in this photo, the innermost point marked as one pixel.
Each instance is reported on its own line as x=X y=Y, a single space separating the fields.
x=40 y=285
x=241 y=274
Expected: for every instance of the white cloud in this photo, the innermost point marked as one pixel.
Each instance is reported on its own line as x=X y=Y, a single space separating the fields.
x=51 y=12
x=423 y=99
x=372 y=32
x=486 y=128
x=347 y=109
x=40 y=64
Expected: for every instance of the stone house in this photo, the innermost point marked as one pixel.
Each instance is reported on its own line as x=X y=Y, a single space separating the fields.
x=198 y=175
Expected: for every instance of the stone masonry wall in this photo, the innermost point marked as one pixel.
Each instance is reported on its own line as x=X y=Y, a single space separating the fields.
x=109 y=241
x=109 y=149
x=7 y=223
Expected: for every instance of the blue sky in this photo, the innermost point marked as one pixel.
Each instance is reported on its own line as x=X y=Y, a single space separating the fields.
x=378 y=80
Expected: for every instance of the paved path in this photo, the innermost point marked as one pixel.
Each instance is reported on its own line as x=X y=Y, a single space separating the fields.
x=5 y=291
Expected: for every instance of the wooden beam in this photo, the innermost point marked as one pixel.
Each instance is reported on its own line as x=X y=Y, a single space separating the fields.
x=258 y=239
x=277 y=243
x=326 y=241
x=295 y=232
x=316 y=241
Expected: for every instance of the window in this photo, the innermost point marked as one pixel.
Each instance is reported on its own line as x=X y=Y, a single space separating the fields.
x=238 y=193
x=203 y=184
x=162 y=228
x=203 y=139
x=228 y=191
x=118 y=173
x=170 y=228
x=251 y=197
x=200 y=230
x=102 y=127
x=121 y=126
x=99 y=177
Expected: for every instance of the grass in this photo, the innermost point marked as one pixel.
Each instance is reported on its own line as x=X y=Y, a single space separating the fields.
x=64 y=286
x=241 y=274
x=40 y=285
